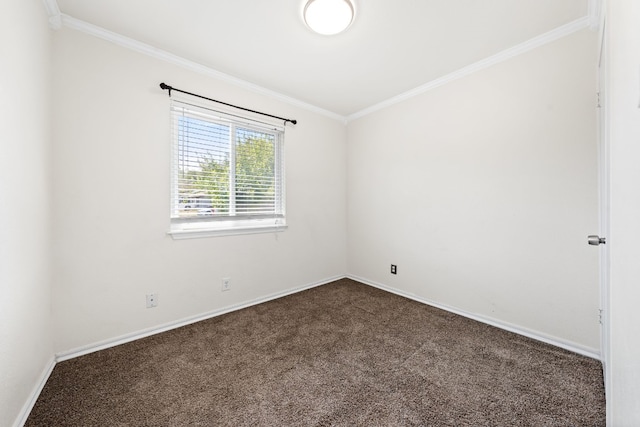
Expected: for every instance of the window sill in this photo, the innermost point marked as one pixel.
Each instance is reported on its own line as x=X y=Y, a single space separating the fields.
x=179 y=233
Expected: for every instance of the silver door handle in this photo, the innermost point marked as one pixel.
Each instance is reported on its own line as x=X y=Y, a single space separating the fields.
x=597 y=240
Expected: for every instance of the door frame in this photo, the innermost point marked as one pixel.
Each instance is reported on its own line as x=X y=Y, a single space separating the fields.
x=604 y=200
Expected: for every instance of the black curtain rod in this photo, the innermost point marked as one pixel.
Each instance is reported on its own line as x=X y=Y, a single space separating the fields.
x=164 y=86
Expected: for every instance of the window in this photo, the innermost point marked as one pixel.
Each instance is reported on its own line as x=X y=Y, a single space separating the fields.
x=227 y=174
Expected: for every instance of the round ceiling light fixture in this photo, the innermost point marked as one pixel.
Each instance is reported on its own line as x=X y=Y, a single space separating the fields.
x=328 y=17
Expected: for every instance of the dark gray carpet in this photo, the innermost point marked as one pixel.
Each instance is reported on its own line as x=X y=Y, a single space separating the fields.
x=342 y=354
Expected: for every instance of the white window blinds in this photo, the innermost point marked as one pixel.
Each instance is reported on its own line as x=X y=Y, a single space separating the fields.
x=227 y=170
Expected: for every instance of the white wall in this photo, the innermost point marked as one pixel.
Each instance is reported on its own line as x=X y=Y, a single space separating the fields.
x=623 y=78
x=483 y=191
x=111 y=212
x=26 y=350
x=495 y=176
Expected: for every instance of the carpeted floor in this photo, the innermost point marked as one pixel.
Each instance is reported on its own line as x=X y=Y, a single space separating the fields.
x=342 y=354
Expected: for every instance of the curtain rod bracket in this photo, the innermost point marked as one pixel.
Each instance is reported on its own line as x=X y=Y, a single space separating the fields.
x=165 y=86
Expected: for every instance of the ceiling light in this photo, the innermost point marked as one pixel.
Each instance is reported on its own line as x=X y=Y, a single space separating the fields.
x=328 y=17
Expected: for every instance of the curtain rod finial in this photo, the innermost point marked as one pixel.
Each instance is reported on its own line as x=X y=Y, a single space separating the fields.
x=164 y=86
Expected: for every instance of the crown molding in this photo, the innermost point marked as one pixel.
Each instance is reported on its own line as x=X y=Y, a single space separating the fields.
x=58 y=19
x=145 y=49
x=595 y=14
x=533 y=43
x=55 y=17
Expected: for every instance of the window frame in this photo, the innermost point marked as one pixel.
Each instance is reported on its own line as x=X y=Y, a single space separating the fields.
x=224 y=225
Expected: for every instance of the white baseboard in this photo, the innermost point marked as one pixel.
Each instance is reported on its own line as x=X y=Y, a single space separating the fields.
x=567 y=345
x=28 y=406
x=101 y=345
x=35 y=393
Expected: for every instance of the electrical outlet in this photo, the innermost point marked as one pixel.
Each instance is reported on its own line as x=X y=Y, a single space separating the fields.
x=226 y=283
x=152 y=300
x=394 y=269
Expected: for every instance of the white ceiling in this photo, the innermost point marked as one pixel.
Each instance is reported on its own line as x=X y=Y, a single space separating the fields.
x=392 y=46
